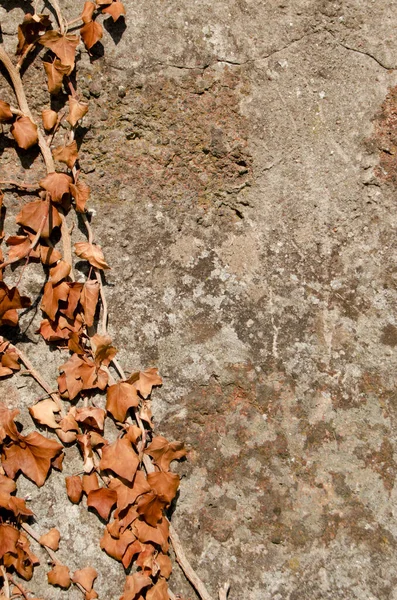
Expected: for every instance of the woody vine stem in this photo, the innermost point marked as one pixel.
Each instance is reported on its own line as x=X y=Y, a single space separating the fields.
x=127 y=481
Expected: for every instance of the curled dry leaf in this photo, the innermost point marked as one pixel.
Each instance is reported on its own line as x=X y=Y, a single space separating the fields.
x=74 y=488
x=24 y=132
x=44 y=412
x=59 y=272
x=120 y=398
x=116 y=547
x=55 y=72
x=91 y=416
x=35 y=213
x=80 y=193
x=49 y=256
x=159 y=591
x=67 y=154
x=60 y=576
x=116 y=10
x=51 y=539
x=5 y=112
x=134 y=584
x=144 y=381
x=10 y=299
x=92 y=253
x=85 y=577
x=89 y=300
x=77 y=109
x=53 y=295
x=120 y=458
x=84 y=441
x=104 y=351
x=64 y=46
x=164 y=452
x=103 y=501
x=30 y=30
x=164 y=484
x=88 y=11
x=49 y=118
x=127 y=493
x=91 y=33
x=165 y=565
x=57 y=184
x=90 y=482
x=151 y=506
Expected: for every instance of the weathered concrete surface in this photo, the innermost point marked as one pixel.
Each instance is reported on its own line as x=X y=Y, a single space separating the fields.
x=242 y=161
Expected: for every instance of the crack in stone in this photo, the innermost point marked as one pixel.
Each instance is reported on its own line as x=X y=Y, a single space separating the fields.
x=365 y=53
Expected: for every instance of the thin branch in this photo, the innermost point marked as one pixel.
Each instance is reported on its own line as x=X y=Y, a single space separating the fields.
x=60 y=18
x=6 y=586
x=223 y=592
x=23 y=593
x=23 y=186
x=24 y=55
x=66 y=245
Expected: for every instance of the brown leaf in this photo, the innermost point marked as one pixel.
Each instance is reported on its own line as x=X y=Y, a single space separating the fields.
x=67 y=154
x=5 y=112
x=35 y=213
x=57 y=462
x=60 y=576
x=49 y=256
x=75 y=344
x=127 y=493
x=159 y=591
x=85 y=446
x=10 y=298
x=104 y=351
x=74 y=488
x=103 y=501
x=32 y=455
x=120 y=398
x=163 y=452
x=164 y=484
x=7 y=425
x=91 y=33
x=116 y=548
x=85 y=577
x=80 y=373
x=92 y=253
x=55 y=71
x=64 y=46
x=165 y=565
x=57 y=184
x=51 y=539
x=116 y=10
x=120 y=458
x=73 y=299
x=8 y=539
x=147 y=533
x=44 y=412
x=53 y=294
x=89 y=300
x=30 y=30
x=24 y=132
x=18 y=507
x=80 y=193
x=90 y=482
x=146 y=381
x=91 y=417
x=151 y=506
x=77 y=109
x=132 y=550
x=59 y=272
x=88 y=11
x=133 y=433
x=134 y=584
x=50 y=118
x=19 y=246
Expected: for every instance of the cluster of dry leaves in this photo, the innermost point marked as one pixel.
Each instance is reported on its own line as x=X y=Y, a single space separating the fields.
x=130 y=498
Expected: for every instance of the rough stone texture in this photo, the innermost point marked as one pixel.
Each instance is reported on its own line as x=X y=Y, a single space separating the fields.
x=242 y=159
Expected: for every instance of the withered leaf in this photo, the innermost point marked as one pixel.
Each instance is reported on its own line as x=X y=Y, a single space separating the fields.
x=57 y=184
x=91 y=33
x=22 y=559
x=103 y=501
x=92 y=253
x=5 y=112
x=91 y=417
x=74 y=488
x=116 y=547
x=164 y=452
x=88 y=11
x=64 y=46
x=159 y=591
x=57 y=462
x=80 y=373
x=35 y=213
x=55 y=71
x=90 y=482
x=80 y=193
x=75 y=344
x=44 y=412
x=7 y=425
x=60 y=576
x=116 y=10
x=89 y=300
x=53 y=294
x=51 y=539
x=85 y=446
x=77 y=110
x=120 y=458
x=24 y=132
x=49 y=118
x=85 y=577
x=30 y=30
x=7 y=485
x=120 y=397
x=59 y=272
x=8 y=539
x=67 y=154
x=164 y=484
x=146 y=381
x=151 y=506
x=19 y=247
x=147 y=533
x=73 y=299
x=127 y=493
x=132 y=550
x=49 y=256
x=10 y=298
x=104 y=351
x=165 y=565
x=32 y=455
x=134 y=584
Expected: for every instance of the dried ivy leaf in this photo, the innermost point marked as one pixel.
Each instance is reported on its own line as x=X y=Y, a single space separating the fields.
x=91 y=417
x=19 y=246
x=24 y=132
x=116 y=547
x=103 y=501
x=30 y=30
x=67 y=154
x=127 y=493
x=59 y=576
x=51 y=539
x=164 y=484
x=92 y=253
x=22 y=559
x=159 y=591
x=59 y=272
x=151 y=506
x=74 y=488
x=91 y=33
x=7 y=425
x=35 y=213
x=64 y=46
x=164 y=452
x=57 y=184
x=104 y=351
x=31 y=454
x=8 y=539
x=165 y=565
x=88 y=11
x=90 y=482
x=49 y=118
x=120 y=458
x=116 y=10
x=55 y=72
x=49 y=256
x=89 y=300
x=85 y=446
x=120 y=398
x=5 y=112
x=53 y=295
x=44 y=412
x=147 y=533
x=132 y=550
x=85 y=577
x=80 y=193
x=77 y=110
x=146 y=381
x=134 y=584
x=10 y=298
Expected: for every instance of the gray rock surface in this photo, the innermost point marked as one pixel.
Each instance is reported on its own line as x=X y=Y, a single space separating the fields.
x=241 y=157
